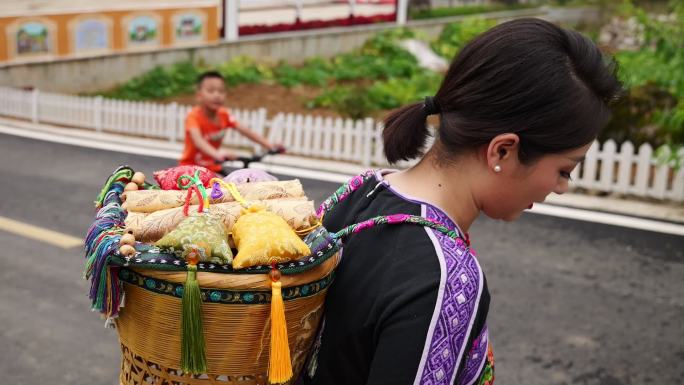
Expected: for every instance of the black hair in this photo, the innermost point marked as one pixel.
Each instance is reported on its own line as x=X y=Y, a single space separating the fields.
x=548 y=85
x=208 y=75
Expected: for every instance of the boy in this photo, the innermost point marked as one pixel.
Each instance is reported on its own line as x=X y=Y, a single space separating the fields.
x=207 y=124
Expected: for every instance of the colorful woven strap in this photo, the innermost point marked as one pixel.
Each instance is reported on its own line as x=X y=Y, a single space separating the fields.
x=343 y=192
x=395 y=219
x=352 y=185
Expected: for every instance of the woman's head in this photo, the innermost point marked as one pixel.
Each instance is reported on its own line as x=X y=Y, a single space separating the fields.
x=548 y=85
x=523 y=91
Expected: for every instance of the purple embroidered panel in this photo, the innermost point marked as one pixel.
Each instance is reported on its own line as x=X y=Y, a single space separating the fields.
x=460 y=294
x=475 y=359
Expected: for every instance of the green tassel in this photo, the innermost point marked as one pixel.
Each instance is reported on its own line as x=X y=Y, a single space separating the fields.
x=193 y=354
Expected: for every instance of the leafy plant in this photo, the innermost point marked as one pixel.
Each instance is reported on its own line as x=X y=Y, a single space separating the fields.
x=243 y=69
x=315 y=72
x=465 y=10
x=361 y=101
x=158 y=83
x=659 y=63
x=635 y=114
x=455 y=35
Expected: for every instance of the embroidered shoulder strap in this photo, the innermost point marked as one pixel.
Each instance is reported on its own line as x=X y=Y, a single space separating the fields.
x=343 y=192
x=395 y=219
x=352 y=185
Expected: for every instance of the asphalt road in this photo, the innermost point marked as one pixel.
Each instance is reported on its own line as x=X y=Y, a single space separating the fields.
x=572 y=302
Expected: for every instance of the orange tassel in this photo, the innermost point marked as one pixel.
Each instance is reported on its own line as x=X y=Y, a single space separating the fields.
x=280 y=365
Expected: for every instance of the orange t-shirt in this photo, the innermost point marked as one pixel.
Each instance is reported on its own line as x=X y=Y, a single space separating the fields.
x=212 y=131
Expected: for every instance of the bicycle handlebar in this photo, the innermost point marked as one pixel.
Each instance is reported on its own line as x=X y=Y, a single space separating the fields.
x=246 y=160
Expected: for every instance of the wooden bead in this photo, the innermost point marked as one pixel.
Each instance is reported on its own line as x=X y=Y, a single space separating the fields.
x=129 y=230
x=138 y=178
x=127 y=239
x=192 y=258
x=131 y=187
x=274 y=274
x=127 y=250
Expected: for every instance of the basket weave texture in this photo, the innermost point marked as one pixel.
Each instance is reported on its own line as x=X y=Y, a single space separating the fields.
x=237 y=335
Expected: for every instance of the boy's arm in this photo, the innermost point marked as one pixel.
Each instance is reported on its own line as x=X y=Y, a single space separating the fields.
x=255 y=137
x=205 y=147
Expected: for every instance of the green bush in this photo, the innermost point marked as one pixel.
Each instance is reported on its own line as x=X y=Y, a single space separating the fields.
x=158 y=83
x=455 y=35
x=395 y=92
x=314 y=72
x=349 y=101
x=635 y=113
x=243 y=69
x=659 y=65
x=380 y=57
x=465 y=10
x=361 y=101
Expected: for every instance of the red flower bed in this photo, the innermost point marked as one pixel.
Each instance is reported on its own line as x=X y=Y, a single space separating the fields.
x=314 y=24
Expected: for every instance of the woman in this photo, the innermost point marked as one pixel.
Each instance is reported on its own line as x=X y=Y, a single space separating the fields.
x=519 y=108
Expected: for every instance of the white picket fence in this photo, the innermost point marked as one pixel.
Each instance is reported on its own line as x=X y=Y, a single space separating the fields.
x=606 y=167
x=626 y=172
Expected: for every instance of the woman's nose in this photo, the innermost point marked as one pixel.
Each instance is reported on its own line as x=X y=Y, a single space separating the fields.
x=561 y=187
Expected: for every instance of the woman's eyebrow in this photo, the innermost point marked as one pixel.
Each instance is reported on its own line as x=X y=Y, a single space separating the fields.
x=577 y=159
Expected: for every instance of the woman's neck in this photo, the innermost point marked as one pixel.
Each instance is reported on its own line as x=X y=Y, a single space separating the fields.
x=446 y=186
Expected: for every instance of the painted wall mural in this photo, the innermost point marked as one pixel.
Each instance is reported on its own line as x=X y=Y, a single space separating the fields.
x=104 y=31
x=92 y=34
x=143 y=30
x=33 y=38
x=189 y=27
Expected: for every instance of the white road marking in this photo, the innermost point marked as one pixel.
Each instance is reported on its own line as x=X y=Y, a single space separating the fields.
x=608 y=219
x=39 y=234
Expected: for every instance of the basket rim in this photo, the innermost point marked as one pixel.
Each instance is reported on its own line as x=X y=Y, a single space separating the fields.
x=225 y=295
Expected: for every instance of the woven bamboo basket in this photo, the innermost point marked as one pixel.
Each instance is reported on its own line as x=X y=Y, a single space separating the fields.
x=236 y=334
x=220 y=331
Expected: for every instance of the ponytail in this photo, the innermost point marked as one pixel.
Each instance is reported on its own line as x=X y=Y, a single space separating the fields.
x=405 y=132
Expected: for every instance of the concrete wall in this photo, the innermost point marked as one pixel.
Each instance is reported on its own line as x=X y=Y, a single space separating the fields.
x=104 y=72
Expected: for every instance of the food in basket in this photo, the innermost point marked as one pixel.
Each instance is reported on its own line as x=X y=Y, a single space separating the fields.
x=299 y=213
x=168 y=178
x=201 y=233
x=263 y=238
x=148 y=201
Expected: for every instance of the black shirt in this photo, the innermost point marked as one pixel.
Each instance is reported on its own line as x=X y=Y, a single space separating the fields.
x=408 y=304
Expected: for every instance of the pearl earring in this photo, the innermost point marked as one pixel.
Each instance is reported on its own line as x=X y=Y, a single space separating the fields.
x=497 y=168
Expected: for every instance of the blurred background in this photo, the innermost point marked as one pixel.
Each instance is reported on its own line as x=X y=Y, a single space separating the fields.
x=586 y=289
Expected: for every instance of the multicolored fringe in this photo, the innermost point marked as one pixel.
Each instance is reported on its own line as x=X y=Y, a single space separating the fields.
x=101 y=242
x=123 y=173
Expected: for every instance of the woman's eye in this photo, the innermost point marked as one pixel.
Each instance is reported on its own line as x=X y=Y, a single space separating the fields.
x=565 y=175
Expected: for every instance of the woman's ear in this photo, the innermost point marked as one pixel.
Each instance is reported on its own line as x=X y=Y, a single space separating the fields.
x=502 y=150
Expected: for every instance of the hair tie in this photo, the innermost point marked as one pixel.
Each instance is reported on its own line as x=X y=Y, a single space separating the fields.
x=430 y=106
